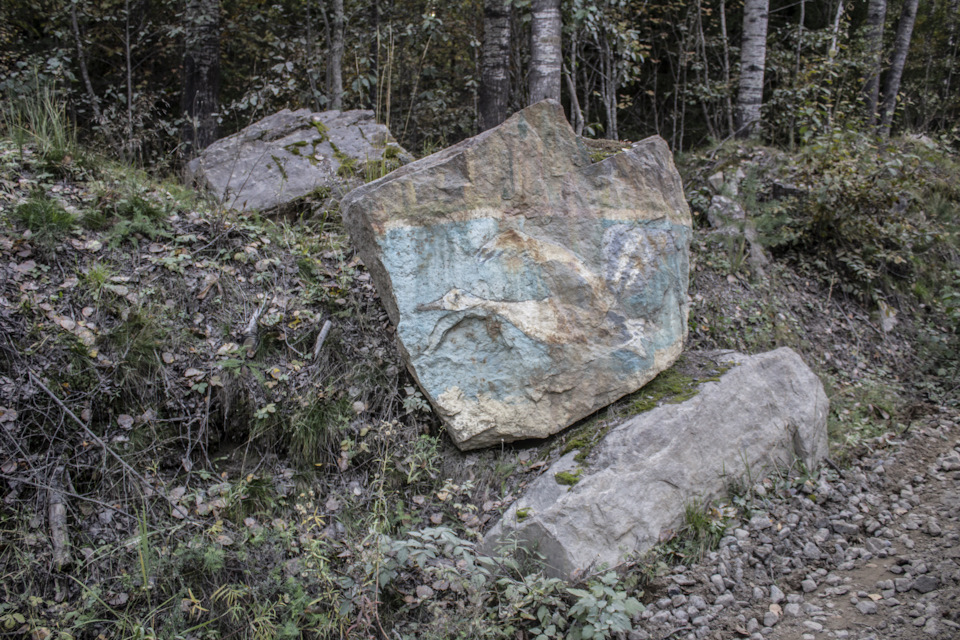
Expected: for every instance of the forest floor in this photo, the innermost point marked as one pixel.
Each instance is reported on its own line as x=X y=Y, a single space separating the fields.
x=206 y=431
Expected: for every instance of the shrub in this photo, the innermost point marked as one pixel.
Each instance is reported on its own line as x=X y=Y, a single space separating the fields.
x=46 y=218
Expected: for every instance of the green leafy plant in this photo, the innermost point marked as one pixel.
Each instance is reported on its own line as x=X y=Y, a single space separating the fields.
x=601 y=610
x=45 y=217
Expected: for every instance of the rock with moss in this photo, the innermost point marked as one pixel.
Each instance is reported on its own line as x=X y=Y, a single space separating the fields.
x=530 y=286
x=292 y=154
x=767 y=411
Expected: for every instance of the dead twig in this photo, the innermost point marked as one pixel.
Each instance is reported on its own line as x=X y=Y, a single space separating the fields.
x=321 y=338
x=57 y=519
x=252 y=331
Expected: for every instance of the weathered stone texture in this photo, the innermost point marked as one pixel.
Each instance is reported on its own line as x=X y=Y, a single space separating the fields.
x=768 y=410
x=529 y=286
x=290 y=154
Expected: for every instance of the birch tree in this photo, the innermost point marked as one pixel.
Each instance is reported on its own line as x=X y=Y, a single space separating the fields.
x=753 y=53
x=901 y=45
x=546 y=56
x=876 y=16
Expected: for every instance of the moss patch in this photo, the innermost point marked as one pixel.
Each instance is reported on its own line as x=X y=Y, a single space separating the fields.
x=568 y=478
x=675 y=385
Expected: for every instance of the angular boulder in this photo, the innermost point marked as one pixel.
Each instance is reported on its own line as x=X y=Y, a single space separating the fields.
x=529 y=286
x=291 y=154
x=767 y=411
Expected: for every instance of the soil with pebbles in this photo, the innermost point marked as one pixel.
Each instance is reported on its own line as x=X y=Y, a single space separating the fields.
x=870 y=551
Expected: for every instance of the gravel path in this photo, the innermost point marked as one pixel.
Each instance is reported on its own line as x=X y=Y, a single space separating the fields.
x=869 y=552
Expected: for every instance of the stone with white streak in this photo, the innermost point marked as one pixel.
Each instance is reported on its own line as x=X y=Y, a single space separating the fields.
x=529 y=286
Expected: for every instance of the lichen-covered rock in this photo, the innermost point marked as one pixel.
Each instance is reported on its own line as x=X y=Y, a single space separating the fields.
x=291 y=154
x=769 y=410
x=529 y=286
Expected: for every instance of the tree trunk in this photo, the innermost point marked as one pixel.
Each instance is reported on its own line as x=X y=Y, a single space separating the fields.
x=753 y=54
x=311 y=79
x=335 y=59
x=546 y=56
x=570 y=74
x=876 y=17
x=891 y=85
x=375 y=52
x=495 y=65
x=836 y=30
x=726 y=68
x=201 y=73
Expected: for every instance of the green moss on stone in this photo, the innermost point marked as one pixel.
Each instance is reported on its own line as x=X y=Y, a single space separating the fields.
x=568 y=478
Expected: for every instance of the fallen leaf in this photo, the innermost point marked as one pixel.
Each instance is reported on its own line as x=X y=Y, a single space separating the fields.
x=69 y=283
x=424 y=592
x=179 y=512
x=193 y=373
x=168 y=357
x=7 y=415
x=67 y=323
x=436 y=518
x=93 y=245
x=125 y=421
x=88 y=311
x=25 y=267
x=155 y=247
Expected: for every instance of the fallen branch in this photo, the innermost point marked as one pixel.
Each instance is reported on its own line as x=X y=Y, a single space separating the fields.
x=57 y=518
x=321 y=338
x=252 y=332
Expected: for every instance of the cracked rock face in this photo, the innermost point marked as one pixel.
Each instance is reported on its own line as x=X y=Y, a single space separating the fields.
x=289 y=155
x=529 y=286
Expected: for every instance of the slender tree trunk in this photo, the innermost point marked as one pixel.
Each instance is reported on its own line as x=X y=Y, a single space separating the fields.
x=495 y=65
x=609 y=83
x=953 y=9
x=128 y=57
x=311 y=78
x=727 y=88
x=796 y=70
x=753 y=54
x=85 y=74
x=546 y=56
x=570 y=74
x=876 y=17
x=335 y=59
x=891 y=85
x=201 y=73
x=836 y=29
x=375 y=51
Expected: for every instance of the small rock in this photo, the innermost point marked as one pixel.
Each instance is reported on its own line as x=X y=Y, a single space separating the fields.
x=808 y=586
x=792 y=609
x=776 y=595
x=813 y=626
x=770 y=619
x=867 y=607
x=926 y=583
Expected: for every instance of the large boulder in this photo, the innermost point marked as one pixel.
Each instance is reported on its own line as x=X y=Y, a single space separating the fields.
x=291 y=154
x=769 y=410
x=529 y=286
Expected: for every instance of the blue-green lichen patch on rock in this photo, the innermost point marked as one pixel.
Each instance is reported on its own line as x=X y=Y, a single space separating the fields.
x=529 y=286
